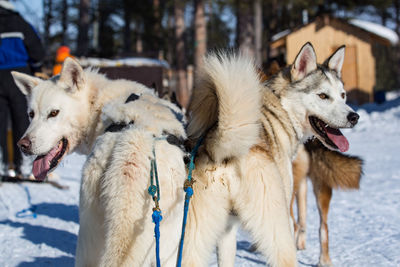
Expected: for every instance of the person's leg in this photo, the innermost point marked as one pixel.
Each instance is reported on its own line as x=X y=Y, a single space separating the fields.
x=19 y=117
x=3 y=122
x=3 y=133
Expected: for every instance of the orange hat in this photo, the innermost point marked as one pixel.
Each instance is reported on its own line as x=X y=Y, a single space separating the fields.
x=63 y=49
x=62 y=53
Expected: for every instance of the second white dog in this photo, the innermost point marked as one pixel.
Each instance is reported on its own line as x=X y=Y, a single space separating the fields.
x=115 y=208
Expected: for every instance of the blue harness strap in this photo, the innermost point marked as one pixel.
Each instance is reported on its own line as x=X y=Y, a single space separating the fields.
x=29 y=212
x=189 y=193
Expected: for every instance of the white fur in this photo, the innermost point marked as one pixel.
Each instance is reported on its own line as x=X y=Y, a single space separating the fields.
x=305 y=62
x=234 y=170
x=227 y=95
x=244 y=165
x=79 y=106
x=287 y=103
x=335 y=62
x=115 y=208
x=300 y=105
x=116 y=177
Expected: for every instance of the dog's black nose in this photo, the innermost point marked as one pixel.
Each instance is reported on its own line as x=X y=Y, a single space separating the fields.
x=353 y=118
x=25 y=145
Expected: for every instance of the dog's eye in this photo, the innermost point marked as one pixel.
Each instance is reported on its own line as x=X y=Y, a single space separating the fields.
x=31 y=114
x=343 y=95
x=323 y=96
x=53 y=113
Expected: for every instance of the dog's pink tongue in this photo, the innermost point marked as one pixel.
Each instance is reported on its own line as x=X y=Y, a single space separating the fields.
x=41 y=165
x=336 y=136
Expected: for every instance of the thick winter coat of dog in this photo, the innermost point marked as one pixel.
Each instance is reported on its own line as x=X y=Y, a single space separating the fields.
x=303 y=100
x=65 y=112
x=251 y=133
x=327 y=170
x=68 y=113
x=115 y=208
x=244 y=165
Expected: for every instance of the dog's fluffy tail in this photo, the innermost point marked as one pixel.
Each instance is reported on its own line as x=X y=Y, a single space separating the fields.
x=226 y=101
x=337 y=170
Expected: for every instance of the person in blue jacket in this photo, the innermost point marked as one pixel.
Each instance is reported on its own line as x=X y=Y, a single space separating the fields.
x=20 y=50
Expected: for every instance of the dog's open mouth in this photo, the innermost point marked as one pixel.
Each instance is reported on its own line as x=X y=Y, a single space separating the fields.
x=45 y=163
x=331 y=136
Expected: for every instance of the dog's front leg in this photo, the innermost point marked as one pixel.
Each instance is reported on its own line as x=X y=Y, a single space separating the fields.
x=128 y=226
x=91 y=216
x=207 y=218
x=226 y=247
x=262 y=208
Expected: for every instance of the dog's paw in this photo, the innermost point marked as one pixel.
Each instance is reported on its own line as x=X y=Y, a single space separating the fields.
x=326 y=263
x=301 y=240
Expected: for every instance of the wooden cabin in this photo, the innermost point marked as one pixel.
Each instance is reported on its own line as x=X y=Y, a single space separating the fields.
x=147 y=71
x=368 y=66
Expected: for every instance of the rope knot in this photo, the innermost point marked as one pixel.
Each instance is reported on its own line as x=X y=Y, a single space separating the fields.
x=189 y=191
x=152 y=190
x=156 y=216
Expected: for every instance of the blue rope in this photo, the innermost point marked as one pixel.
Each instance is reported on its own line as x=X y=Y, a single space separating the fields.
x=29 y=212
x=157 y=219
x=189 y=193
x=154 y=191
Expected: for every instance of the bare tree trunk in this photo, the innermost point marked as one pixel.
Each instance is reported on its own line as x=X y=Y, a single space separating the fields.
x=127 y=27
x=83 y=28
x=64 y=21
x=384 y=16
x=258 y=30
x=170 y=35
x=397 y=9
x=270 y=24
x=48 y=17
x=200 y=33
x=182 y=92
x=245 y=27
x=157 y=25
x=139 y=41
x=105 y=37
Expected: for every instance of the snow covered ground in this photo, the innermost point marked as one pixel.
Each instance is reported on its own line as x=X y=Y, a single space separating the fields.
x=364 y=225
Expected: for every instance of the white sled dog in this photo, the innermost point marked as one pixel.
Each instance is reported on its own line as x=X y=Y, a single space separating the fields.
x=65 y=112
x=251 y=137
x=115 y=208
x=68 y=113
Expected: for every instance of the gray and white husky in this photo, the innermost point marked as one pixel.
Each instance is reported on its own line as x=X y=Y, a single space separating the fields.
x=301 y=101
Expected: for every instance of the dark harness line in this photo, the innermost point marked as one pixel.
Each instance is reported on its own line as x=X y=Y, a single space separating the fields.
x=170 y=138
x=117 y=127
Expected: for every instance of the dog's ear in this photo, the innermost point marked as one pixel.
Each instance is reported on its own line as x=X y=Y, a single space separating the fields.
x=72 y=75
x=335 y=61
x=305 y=62
x=25 y=82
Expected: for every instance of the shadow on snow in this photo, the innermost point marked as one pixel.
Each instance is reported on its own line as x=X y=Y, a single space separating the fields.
x=59 y=239
x=63 y=261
